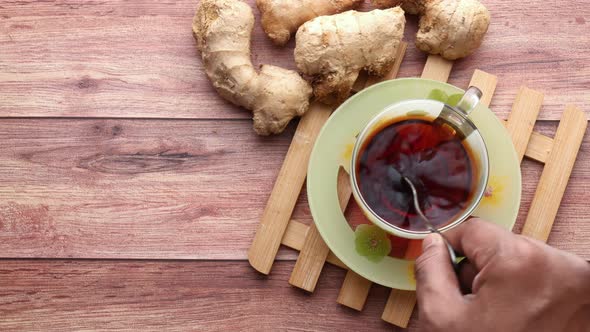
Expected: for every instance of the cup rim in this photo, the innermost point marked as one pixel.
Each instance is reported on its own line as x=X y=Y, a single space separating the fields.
x=374 y=217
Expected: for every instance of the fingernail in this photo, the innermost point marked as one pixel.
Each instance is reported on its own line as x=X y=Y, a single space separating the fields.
x=431 y=240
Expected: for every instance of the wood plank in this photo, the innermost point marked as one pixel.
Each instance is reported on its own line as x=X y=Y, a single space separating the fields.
x=487 y=85
x=539 y=147
x=522 y=119
x=116 y=58
x=294 y=238
x=116 y=188
x=128 y=189
x=556 y=174
x=295 y=235
x=399 y=307
x=332 y=259
x=354 y=291
x=310 y=261
x=437 y=68
x=314 y=252
x=111 y=59
x=287 y=187
x=400 y=303
x=172 y=296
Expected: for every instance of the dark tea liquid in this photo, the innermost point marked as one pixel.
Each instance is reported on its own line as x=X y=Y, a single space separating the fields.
x=432 y=156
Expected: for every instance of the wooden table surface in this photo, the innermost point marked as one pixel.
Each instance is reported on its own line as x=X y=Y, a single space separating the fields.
x=130 y=191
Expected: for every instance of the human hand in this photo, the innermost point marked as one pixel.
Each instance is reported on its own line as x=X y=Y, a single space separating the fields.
x=510 y=283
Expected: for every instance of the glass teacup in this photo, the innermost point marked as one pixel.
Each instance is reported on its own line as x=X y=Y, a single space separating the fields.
x=432 y=133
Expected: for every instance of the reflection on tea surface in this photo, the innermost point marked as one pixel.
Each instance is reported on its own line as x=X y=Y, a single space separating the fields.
x=432 y=156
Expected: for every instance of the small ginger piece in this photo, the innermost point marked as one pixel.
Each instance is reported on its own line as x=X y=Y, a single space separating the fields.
x=281 y=18
x=223 y=30
x=332 y=50
x=452 y=28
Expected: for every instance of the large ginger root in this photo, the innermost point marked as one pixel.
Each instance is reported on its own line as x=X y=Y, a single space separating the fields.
x=332 y=50
x=223 y=29
x=280 y=18
x=452 y=28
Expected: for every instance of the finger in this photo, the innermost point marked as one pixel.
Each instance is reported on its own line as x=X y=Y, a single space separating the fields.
x=478 y=240
x=437 y=287
x=467 y=273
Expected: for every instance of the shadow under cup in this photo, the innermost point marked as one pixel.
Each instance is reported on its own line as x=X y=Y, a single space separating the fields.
x=385 y=195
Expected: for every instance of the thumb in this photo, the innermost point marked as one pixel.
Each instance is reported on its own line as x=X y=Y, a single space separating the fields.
x=437 y=287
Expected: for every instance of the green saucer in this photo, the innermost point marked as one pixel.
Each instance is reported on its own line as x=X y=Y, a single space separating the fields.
x=333 y=149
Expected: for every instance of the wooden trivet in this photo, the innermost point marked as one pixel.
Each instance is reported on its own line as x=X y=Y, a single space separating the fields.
x=558 y=155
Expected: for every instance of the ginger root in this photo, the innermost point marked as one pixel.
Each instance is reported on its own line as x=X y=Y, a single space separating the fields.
x=332 y=50
x=223 y=30
x=386 y=3
x=452 y=28
x=409 y=6
x=281 y=18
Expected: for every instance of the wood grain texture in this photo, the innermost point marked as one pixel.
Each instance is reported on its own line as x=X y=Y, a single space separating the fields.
x=310 y=261
x=486 y=83
x=71 y=188
x=294 y=238
x=314 y=252
x=114 y=58
x=437 y=68
x=399 y=307
x=401 y=303
x=556 y=174
x=167 y=189
x=173 y=296
x=354 y=291
x=521 y=120
x=129 y=189
x=539 y=147
x=295 y=235
x=111 y=59
x=286 y=189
